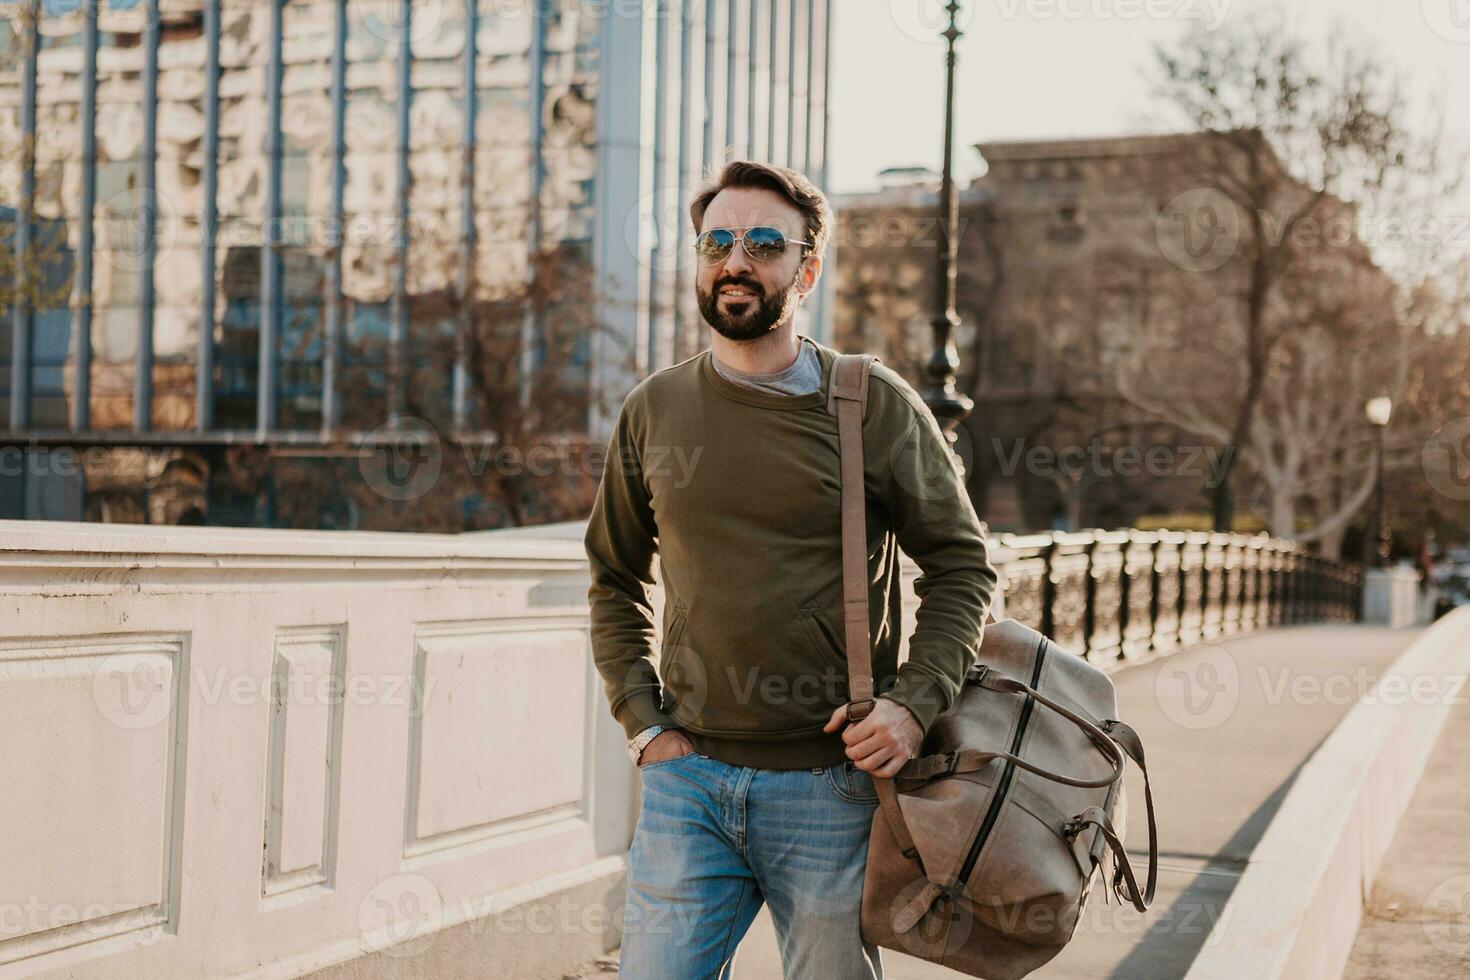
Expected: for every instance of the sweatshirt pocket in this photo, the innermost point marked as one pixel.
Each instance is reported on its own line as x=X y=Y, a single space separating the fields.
x=669 y=645
x=821 y=634
x=681 y=680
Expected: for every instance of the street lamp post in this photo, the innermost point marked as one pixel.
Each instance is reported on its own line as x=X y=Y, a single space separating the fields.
x=949 y=406
x=1378 y=410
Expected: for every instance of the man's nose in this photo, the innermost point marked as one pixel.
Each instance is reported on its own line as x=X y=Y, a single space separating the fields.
x=737 y=262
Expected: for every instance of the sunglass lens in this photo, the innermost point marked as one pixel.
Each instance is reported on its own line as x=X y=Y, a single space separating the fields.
x=715 y=245
x=765 y=243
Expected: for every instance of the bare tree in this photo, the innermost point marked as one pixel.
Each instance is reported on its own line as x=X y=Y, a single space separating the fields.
x=1294 y=135
x=1307 y=439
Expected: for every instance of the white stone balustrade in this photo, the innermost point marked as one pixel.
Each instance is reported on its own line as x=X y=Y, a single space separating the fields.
x=257 y=753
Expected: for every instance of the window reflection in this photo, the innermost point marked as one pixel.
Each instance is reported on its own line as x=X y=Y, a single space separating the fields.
x=519 y=286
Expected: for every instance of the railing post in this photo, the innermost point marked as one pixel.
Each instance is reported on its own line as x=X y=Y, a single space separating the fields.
x=1069 y=577
x=1213 y=602
x=1265 y=581
x=1168 y=591
x=1233 y=563
x=1315 y=588
x=1296 y=586
x=1192 y=584
x=1250 y=567
x=1107 y=600
x=1027 y=576
x=1140 y=589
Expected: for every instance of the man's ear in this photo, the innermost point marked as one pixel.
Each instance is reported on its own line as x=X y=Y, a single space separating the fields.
x=809 y=274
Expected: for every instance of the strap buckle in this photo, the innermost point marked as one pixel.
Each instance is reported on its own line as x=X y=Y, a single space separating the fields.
x=951 y=759
x=870 y=703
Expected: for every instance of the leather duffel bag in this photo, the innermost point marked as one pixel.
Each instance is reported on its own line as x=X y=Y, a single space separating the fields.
x=984 y=848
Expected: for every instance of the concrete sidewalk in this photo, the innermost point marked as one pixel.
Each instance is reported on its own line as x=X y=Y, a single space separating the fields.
x=1226 y=726
x=1416 y=924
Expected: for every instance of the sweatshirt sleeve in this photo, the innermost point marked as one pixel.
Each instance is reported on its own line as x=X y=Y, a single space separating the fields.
x=620 y=544
x=936 y=525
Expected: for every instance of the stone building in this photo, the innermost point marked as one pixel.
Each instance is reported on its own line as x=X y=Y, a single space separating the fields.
x=1072 y=253
x=371 y=216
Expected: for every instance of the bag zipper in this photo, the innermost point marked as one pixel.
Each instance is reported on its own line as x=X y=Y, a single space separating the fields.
x=1004 y=785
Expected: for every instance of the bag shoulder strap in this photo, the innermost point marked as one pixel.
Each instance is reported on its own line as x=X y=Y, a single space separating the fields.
x=847 y=398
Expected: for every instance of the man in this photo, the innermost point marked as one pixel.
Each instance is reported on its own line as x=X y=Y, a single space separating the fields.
x=755 y=788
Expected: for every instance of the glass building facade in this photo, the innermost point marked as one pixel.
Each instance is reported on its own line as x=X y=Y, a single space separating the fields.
x=306 y=216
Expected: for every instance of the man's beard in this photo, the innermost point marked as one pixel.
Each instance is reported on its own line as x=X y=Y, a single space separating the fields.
x=755 y=317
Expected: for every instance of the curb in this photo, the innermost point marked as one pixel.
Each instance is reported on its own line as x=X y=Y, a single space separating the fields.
x=1295 y=911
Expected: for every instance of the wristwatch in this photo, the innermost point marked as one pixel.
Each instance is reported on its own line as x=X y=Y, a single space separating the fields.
x=637 y=743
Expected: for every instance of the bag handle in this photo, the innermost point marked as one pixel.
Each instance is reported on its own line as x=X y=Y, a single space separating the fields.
x=1128 y=739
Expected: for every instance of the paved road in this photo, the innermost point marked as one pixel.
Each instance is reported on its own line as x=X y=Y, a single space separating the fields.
x=1226 y=726
x=1416 y=924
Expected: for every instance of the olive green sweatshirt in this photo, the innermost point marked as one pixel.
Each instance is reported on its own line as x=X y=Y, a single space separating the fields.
x=737 y=492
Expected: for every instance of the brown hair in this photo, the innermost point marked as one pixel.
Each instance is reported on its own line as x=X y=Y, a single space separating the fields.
x=792 y=185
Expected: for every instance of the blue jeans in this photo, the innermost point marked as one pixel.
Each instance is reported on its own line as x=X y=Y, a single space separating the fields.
x=714 y=841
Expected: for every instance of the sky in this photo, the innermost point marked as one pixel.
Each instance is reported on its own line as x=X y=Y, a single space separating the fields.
x=1031 y=69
